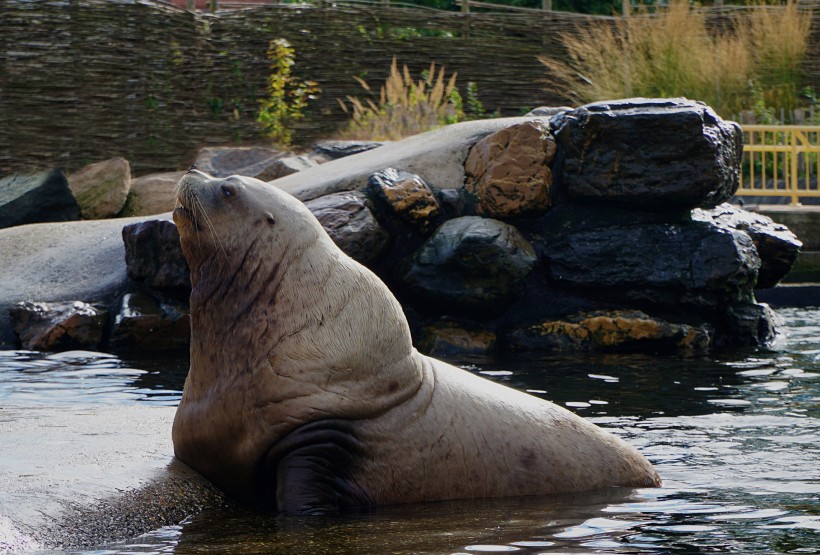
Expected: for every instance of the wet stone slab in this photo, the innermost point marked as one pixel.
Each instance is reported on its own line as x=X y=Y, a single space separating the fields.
x=82 y=476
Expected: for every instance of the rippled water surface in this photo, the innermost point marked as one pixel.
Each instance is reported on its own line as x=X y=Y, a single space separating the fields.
x=736 y=439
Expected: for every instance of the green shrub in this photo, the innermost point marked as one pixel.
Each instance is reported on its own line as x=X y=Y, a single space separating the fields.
x=404 y=107
x=288 y=96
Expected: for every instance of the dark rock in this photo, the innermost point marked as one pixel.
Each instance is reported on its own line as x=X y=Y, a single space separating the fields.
x=44 y=197
x=697 y=264
x=153 y=256
x=147 y=324
x=408 y=196
x=777 y=246
x=348 y=220
x=747 y=325
x=469 y=264
x=663 y=154
x=58 y=326
x=447 y=338
x=333 y=150
x=508 y=172
x=250 y=161
x=570 y=217
x=285 y=166
x=615 y=330
x=453 y=202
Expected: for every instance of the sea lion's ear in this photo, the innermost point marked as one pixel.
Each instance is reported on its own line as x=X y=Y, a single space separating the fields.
x=270 y=218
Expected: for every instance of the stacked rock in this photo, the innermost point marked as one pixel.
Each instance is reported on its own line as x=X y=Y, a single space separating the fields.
x=597 y=230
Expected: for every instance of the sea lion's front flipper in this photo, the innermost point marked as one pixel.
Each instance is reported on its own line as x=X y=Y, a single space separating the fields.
x=310 y=470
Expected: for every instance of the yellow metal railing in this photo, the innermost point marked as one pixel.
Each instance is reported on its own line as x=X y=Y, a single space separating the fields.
x=780 y=161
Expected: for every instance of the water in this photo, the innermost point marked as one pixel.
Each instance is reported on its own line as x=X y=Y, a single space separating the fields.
x=736 y=439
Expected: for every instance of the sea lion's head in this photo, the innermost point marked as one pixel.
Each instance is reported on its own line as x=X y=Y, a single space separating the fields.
x=219 y=217
x=285 y=328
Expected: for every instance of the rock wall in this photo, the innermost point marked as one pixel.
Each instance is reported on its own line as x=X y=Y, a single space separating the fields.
x=600 y=228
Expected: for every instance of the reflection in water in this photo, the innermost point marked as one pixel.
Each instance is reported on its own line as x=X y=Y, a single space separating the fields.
x=735 y=437
x=37 y=379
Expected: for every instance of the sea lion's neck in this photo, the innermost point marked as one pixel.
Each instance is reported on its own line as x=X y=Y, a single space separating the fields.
x=313 y=324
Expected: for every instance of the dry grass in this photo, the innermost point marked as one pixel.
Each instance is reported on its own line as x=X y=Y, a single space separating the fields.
x=405 y=107
x=673 y=53
x=779 y=41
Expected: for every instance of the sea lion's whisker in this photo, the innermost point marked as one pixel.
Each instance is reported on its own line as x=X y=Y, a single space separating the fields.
x=211 y=228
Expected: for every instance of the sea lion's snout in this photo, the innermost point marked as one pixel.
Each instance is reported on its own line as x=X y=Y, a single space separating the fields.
x=187 y=202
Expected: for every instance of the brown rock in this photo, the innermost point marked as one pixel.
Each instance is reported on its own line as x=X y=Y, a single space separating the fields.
x=101 y=189
x=508 y=172
x=152 y=194
x=58 y=326
x=615 y=330
x=409 y=196
x=451 y=339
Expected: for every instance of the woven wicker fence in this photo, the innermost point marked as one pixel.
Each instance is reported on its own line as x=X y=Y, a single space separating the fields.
x=85 y=80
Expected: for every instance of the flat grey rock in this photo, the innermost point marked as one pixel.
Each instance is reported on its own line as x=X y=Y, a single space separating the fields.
x=63 y=261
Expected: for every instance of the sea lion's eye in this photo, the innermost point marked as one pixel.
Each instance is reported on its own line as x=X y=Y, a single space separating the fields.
x=228 y=191
x=270 y=218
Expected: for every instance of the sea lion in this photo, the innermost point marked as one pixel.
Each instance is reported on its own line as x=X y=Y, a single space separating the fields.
x=305 y=394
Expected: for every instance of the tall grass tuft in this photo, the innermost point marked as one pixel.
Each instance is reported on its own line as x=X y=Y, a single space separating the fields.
x=674 y=53
x=405 y=106
x=778 y=40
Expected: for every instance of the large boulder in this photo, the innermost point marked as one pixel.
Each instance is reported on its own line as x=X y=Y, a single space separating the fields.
x=251 y=161
x=662 y=154
x=697 y=264
x=347 y=218
x=777 y=246
x=102 y=188
x=59 y=326
x=469 y=265
x=152 y=194
x=154 y=256
x=44 y=197
x=508 y=172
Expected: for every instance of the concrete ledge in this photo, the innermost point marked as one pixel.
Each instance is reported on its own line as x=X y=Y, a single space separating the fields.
x=799 y=295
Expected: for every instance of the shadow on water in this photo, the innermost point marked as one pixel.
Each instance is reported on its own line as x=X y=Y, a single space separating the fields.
x=735 y=437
